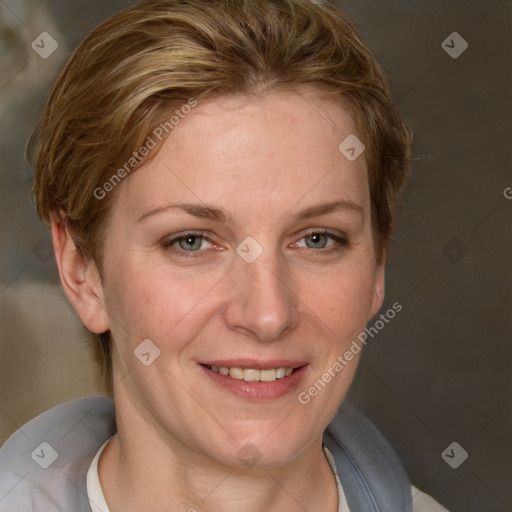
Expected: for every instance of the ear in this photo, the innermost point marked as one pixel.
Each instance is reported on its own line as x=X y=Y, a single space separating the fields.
x=379 y=285
x=79 y=277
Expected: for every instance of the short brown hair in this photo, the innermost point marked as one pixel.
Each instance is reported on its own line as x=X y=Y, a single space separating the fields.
x=156 y=55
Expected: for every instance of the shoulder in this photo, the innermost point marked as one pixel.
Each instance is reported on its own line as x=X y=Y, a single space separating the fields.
x=44 y=463
x=372 y=475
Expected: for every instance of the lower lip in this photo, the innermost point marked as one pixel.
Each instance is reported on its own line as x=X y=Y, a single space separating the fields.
x=259 y=390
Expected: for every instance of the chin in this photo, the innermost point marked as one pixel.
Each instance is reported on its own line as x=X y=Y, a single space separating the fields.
x=262 y=449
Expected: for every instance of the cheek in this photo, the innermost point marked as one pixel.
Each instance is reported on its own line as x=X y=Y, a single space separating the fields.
x=342 y=300
x=145 y=300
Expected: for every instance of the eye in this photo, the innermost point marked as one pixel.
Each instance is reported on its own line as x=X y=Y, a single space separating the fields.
x=322 y=241
x=188 y=243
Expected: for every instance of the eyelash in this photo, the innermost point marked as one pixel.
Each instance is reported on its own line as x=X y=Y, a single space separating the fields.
x=340 y=240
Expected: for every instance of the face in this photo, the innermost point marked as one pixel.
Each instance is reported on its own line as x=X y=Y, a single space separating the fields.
x=242 y=251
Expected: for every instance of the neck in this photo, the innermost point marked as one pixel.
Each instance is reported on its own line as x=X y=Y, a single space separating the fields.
x=142 y=469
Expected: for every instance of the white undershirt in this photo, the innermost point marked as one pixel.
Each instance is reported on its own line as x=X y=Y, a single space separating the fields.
x=421 y=501
x=94 y=490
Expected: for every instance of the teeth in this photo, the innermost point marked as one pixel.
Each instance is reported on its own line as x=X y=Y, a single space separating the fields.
x=253 y=375
x=236 y=373
x=280 y=373
x=267 y=375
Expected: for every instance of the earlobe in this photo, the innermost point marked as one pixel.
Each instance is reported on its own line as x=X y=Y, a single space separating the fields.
x=379 y=287
x=79 y=277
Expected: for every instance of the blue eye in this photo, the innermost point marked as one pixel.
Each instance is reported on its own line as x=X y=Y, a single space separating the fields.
x=187 y=243
x=318 y=241
x=192 y=245
x=192 y=242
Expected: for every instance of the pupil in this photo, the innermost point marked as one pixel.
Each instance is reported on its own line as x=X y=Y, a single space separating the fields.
x=316 y=238
x=191 y=241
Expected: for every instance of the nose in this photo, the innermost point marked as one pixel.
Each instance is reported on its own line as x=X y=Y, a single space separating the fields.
x=261 y=301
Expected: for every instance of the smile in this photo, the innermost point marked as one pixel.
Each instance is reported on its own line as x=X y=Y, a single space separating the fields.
x=252 y=374
x=257 y=380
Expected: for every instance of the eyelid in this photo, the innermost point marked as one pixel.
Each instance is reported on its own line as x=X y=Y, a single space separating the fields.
x=325 y=231
x=184 y=234
x=340 y=238
x=168 y=242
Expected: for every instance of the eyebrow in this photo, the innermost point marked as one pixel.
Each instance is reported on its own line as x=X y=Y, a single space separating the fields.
x=197 y=210
x=326 y=207
x=217 y=214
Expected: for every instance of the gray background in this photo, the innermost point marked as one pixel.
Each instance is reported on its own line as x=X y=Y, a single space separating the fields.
x=441 y=370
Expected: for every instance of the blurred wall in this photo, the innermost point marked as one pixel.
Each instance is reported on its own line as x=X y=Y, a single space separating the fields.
x=437 y=373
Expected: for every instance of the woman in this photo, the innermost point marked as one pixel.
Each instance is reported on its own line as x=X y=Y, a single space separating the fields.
x=219 y=178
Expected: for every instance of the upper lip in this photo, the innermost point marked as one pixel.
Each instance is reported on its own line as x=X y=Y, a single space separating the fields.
x=256 y=364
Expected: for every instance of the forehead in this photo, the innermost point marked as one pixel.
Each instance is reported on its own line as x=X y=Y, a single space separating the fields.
x=272 y=151
x=274 y=124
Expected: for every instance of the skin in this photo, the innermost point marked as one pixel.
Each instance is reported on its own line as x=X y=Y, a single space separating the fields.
x=179 y=433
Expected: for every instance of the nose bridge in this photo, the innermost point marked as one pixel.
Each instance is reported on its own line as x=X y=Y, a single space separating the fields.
x=261 y=303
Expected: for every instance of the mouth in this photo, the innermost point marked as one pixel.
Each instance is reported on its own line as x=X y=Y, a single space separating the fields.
x=253 y=374
x=256 y=380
